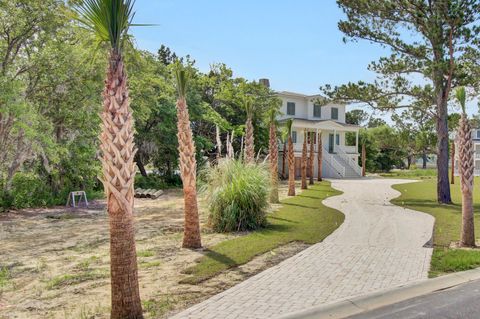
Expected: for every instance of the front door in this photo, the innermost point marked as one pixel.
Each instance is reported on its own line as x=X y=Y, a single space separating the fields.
x=331 y=140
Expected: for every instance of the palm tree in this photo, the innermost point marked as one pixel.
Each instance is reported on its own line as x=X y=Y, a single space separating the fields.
x=273 y=150
x=188 y=165
x=466 y=165
x=291 y=160
x=284 y=153
x=109 y=20
x=249 y=140
x=320 y=156
x=304 y=160
x=312 y=156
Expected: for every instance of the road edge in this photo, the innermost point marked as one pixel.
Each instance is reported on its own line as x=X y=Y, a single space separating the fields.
x=360 y=304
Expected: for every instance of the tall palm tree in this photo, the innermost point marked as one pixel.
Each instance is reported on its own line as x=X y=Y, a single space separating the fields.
x=465 y=152
x=109 y=20
x=284 y=153
x=312 y=156
x=273 y=151
x=320 y=157
x=249 y=139
x=188 y=165
x=304 y=160
x=291 y=160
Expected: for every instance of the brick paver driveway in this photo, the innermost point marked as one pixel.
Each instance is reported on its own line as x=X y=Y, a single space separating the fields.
x=378 y=246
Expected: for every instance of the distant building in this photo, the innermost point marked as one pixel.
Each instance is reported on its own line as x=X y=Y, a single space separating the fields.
x=339 y=160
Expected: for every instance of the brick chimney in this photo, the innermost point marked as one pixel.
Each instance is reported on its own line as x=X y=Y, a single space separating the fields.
x=265 y=82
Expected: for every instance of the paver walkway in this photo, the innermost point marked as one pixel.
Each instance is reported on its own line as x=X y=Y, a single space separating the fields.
x=378 y=246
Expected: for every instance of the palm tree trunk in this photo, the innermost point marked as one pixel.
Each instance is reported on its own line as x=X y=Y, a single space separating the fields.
x=467 y=167
x=118 y=179
x=452 y=168
x=249 y=142
x=364 y=159
x=320 y=155
x=304 y=162
x=284 y=159
x=312 y=156
x=273 y=148
x=291 y=168
x=188 y=170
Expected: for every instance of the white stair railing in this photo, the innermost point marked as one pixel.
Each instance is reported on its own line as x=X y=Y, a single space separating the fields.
x=333 y=162
x=348 y=160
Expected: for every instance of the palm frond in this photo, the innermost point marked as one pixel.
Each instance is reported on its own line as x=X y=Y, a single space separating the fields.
x=461 y=97
x=182 y=79
x=248 y=106
x=109 y=20
x=289 y=126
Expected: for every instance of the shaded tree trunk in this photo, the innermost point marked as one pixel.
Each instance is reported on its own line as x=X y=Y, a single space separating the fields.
x=140 y=166
x=409 y=161
x=291 y=168
x=312 y=156
x=443 y=185
x=284 y=159
x=452 y=168
x=118 y=179
x=364 y=160
x=188 y=170
x=424 y=159
x=304 y=162
x=320 y=157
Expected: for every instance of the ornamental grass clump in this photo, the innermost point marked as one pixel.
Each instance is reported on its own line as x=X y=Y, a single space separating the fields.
x=237 y=195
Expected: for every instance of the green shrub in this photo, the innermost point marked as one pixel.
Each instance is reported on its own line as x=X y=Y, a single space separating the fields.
x=28 y=190
x=237 y=195
x=156 y=181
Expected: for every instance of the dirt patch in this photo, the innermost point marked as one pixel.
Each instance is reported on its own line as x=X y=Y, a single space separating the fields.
x=54 y=263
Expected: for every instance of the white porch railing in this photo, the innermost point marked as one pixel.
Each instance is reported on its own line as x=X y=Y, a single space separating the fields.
x=333 y=162
x=347 y=159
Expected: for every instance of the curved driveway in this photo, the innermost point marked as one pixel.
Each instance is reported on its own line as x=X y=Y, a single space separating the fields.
x=379 y=246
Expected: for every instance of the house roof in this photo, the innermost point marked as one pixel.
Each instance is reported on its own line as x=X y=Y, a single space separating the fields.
x=304 y=96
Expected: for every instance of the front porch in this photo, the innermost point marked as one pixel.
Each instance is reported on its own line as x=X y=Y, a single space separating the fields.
x=339 y=143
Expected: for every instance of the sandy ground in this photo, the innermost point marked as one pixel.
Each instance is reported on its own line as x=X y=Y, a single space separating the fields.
x=54 y=263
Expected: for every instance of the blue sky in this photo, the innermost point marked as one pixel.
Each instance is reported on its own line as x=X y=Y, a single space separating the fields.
x=294 y=43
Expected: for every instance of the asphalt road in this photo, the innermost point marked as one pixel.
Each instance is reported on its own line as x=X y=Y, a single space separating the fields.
x=460 y=302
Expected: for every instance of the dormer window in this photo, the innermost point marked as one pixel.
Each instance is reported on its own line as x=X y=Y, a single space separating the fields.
x=334 y=113
x=290 y=108
x=317 y=110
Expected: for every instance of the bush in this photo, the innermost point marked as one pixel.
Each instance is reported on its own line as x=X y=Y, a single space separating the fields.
x=156 y=181
x=237 y=195
x=28 y=190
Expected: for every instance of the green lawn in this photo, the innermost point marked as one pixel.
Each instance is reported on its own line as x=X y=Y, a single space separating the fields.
x=422 y=196
x=412 y=173
x=301 y=218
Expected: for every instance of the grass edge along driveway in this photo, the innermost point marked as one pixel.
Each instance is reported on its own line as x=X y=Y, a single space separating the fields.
x=421 y=196
x=301 y=218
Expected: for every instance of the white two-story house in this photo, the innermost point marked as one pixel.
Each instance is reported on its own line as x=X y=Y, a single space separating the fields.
x=340 y=158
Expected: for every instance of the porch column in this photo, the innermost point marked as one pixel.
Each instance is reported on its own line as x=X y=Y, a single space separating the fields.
x=356 y=142
x=334 y=139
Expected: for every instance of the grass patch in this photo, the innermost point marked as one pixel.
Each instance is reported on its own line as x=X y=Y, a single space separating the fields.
x=73 y=279
x=150 y=264
x=145 y=253
x=412 y=173
x=301 y=218
x=422 y=196
x=158 y=307
x=4 y=276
